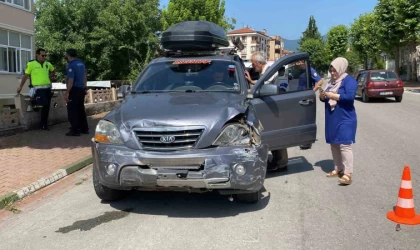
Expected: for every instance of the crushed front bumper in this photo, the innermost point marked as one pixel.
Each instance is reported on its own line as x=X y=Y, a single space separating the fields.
x=196 y=169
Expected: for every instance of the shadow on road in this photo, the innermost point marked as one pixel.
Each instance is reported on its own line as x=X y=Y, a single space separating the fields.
x=296 y=165
x=187 y=205
x=326 y=165
x=378 y=100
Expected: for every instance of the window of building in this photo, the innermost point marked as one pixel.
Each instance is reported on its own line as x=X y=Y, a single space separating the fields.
x=15 y=51
x=26 y=4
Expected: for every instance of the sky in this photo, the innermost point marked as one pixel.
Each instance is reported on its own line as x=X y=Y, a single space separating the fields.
x=289 y=19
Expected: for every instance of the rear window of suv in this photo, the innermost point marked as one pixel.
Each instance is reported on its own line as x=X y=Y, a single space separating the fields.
x=189 y=74
x=379 y=76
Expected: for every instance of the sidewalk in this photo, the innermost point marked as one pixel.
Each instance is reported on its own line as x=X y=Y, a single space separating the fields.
x=411 y=86
x=31 y=156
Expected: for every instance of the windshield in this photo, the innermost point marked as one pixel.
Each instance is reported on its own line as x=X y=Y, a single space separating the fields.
x=189 y=75
x=383 y=76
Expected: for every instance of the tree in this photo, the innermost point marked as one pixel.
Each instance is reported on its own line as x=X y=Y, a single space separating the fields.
x=311 y=32
x=111 y=36
x=337 y=41
x=364 y=37
x=196 y=10
x=317 y=54
x=354 y=62
x=398 y=24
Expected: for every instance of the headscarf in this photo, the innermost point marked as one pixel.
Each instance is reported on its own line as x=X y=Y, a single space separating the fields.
x=340 y=64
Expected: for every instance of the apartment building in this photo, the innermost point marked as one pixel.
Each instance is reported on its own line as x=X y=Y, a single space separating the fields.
x=276 y=47
x=253 y=41
x=16 y=43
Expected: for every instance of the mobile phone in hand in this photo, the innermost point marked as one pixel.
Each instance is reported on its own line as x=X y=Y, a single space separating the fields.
x=320 y=89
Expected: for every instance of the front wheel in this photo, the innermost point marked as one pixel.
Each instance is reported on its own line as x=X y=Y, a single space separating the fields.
x=250 y=198
x=398 y=98
x=104 y=193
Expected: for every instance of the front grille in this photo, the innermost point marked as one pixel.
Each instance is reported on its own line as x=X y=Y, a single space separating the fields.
x=183 y=138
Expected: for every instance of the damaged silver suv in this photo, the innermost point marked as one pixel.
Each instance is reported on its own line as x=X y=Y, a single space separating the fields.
x=191 y=123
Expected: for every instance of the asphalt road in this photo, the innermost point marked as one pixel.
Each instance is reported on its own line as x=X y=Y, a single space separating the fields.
x=302 y=209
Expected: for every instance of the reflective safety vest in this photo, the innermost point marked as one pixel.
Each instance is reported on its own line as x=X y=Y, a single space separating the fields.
x=40 y=74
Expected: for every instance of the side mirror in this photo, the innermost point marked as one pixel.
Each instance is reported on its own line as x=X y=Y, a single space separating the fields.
x=268 y=90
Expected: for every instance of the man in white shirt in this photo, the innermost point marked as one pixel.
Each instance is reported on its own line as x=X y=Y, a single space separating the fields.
x=280 y=157
x=259 y=64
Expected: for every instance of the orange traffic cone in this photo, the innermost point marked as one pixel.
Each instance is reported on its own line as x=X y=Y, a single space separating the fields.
x=404 y=212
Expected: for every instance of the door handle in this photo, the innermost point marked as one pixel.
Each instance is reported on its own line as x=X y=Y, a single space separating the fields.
x=306 y=102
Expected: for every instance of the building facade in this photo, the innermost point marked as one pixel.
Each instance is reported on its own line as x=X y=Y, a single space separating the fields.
x=408 y=61
x=16 y=43
x=253 y=41
x=276 y=47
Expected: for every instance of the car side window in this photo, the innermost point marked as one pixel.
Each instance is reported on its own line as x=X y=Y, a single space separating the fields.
x=293 y=77
x=362 y=78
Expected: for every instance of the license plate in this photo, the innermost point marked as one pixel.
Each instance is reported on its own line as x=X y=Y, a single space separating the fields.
x=386 y=93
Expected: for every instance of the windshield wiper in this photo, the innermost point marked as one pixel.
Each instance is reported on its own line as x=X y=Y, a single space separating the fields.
x=142 y=92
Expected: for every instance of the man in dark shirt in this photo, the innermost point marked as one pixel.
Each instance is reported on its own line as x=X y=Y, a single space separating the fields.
x=75 y=94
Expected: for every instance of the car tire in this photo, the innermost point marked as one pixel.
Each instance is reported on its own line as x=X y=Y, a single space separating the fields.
x=105 y=193
x=365 y=98
x=250 y=198
x=306 y=146
x=398 y=98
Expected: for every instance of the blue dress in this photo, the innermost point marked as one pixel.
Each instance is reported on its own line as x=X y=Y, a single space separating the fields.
x=341 y=123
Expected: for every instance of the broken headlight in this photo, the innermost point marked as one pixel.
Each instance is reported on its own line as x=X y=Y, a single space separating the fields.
x=234 y=135
x=107 y=132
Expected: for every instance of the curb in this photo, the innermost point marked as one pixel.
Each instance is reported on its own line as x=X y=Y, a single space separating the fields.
x=12 y=197
x=417 y=90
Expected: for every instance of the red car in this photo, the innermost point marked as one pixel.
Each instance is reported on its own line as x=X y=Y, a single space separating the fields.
x=379 y=84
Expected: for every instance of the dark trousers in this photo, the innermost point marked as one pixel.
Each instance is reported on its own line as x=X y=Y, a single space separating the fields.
x=280 y=158
x=43 y=98
x=76 y=110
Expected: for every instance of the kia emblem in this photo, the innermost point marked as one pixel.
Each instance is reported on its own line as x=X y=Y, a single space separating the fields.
x=167 y=139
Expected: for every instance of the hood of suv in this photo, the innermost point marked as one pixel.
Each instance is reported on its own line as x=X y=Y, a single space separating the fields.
x=211 y=110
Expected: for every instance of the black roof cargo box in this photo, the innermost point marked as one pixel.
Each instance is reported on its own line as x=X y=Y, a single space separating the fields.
x=194 y=35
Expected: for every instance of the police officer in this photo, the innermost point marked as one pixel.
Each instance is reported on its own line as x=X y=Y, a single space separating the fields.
x=316 y=82
x=75 y=95
x=41 y=72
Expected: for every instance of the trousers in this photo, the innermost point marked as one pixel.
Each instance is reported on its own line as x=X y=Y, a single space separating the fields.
x=280 y=157
x=76 y=110
x=43 y=98
x=342 y=157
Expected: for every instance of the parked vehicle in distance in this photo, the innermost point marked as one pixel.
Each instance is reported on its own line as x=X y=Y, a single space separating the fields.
x=379 y=84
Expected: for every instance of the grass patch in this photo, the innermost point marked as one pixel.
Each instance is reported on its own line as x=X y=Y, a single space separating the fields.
x=8 y=199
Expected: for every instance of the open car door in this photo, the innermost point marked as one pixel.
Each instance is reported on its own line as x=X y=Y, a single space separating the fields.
x=288 y=117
